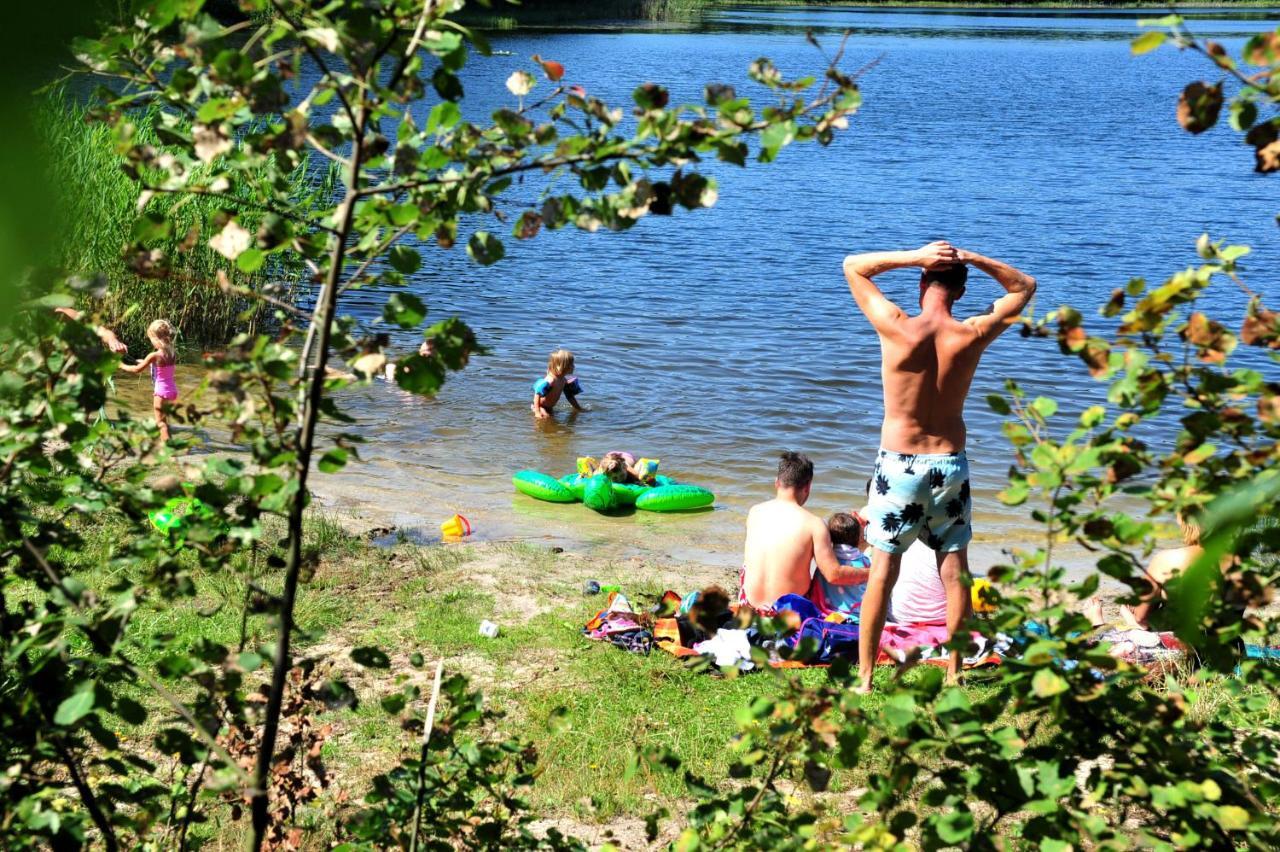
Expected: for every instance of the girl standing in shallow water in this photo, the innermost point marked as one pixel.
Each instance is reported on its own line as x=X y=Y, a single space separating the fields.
x=161 y=361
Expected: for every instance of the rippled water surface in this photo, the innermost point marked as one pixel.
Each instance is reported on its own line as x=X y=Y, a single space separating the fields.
x=714 y=340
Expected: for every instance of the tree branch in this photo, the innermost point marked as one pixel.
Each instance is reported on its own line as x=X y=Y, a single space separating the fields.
x=317 y=58
x=427 y=725
x=243 y=202
x=374 y=255
x=312 y=392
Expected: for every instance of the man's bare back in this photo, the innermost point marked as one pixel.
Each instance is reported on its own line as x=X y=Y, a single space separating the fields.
x=781 y=537
x=929 y=360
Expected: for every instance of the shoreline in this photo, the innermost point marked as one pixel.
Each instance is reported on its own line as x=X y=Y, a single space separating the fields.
x=560 y=15
x=373 y=493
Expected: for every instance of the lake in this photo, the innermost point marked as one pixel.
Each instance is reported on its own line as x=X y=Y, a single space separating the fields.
x=716 y=339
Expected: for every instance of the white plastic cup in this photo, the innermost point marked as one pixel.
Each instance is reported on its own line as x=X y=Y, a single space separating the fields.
x=488 y=629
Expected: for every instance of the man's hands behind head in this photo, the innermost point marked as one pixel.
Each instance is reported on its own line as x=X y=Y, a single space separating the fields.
x=936 y=254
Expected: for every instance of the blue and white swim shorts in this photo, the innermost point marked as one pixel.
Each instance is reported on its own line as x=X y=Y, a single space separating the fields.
x=926 y=496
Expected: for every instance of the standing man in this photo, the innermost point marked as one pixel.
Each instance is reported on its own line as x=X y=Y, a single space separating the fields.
x=920 y=487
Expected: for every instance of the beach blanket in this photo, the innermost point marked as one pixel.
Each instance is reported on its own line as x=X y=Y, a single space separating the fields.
x=617 y=624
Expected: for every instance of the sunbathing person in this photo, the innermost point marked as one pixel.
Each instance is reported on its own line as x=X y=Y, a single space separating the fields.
x=784 y=540
x=1164 y=565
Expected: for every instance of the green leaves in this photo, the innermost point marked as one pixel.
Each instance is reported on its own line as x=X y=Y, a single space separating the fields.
x=405 y=260
x=333 y=461
x=371 y=657
x=404 y=309
x=76 y=707
x=443 y=116
x=1046 y=683
x=419 y=375
x=1044 y=406
x=250 y=260
x=651 y=96
x=1147 y=42
x=485 y=249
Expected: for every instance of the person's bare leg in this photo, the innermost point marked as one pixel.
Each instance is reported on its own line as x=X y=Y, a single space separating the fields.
x=874 y=610
x=953 y=568
x=161 y=422
x=1139 y=616
x=1092 y=610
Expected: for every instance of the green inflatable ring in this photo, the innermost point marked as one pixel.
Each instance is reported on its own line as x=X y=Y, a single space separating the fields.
x=575 y=483
x=171 y=518
x=542 y=487
x=674 y=498
x=627 y=493
x=599 y=494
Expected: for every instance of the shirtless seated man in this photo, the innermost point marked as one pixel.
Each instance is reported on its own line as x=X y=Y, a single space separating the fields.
x=784 y=539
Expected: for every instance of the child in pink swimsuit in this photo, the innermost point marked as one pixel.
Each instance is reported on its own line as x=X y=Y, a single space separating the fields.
x=161 y=361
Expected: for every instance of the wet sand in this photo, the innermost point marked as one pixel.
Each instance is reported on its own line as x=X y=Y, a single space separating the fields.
x=391 y=494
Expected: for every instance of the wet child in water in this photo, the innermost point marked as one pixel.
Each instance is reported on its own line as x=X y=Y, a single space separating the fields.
x=559 y=381
x=162 y=362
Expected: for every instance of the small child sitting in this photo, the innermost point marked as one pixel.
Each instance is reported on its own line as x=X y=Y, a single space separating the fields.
x=558 y=381
x=621 y=467
x=846 y=535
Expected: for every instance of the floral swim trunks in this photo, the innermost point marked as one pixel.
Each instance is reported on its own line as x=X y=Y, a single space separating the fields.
x=921 y=495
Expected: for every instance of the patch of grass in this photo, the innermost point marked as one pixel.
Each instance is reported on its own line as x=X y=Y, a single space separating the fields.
x=586 y=706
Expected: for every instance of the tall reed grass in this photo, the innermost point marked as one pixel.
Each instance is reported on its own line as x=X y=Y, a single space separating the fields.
x=96 y=209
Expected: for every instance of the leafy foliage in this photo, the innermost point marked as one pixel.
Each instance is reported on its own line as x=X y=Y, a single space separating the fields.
x=1066 y=745
x=1254 y=105
x=211 y=125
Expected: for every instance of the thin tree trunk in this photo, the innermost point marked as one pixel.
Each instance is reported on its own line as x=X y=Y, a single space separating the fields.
x=427 y=725
x=314 y=390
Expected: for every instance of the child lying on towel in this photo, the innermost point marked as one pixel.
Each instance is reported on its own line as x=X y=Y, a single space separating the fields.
x=846 y=536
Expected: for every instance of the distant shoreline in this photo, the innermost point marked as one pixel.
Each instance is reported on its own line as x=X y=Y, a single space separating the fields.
x=544 y=13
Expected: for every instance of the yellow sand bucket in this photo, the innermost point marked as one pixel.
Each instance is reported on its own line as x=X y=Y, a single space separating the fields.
x=456 y=527
x=980 y=593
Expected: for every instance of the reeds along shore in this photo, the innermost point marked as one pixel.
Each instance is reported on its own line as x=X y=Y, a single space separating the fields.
x=96 y=205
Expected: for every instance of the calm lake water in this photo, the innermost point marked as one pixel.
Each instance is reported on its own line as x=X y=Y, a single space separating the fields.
x=716 y=339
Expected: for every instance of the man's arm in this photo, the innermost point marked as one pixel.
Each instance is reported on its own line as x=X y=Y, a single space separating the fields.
x=1020 y=288
x=859 y=269
x=825 y=555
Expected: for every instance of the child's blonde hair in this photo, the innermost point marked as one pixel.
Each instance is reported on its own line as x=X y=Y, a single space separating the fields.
x=560 y=363
x=161 y=332
x=615 y=468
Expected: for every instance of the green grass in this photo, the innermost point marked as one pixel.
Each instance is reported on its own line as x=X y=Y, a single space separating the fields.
x=586 y=706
